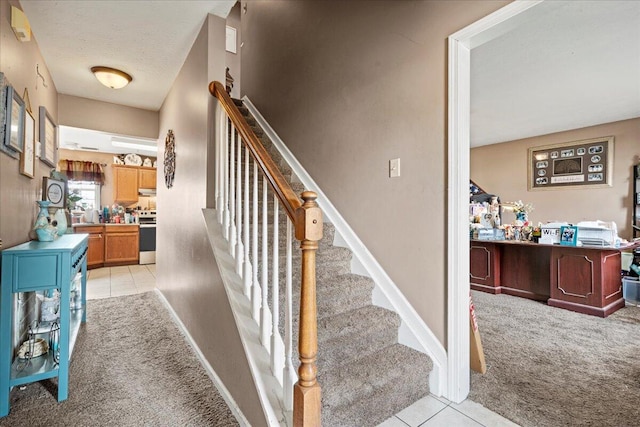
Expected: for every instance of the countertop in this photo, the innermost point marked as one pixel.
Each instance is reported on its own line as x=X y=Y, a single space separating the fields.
x=91 y=224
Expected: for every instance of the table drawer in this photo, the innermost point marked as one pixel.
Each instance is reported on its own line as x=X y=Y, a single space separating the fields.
x=36 y=272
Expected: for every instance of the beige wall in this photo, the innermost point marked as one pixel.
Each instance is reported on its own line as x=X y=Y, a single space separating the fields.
x=187 y=273
x=502 y=169
x=107 y=117
x=18 y=193
x=349 y=86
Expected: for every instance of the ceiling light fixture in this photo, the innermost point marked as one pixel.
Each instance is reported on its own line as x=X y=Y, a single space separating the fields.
x=110 y=77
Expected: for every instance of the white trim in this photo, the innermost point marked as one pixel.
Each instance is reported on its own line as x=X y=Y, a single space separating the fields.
x=459 y=95
x=217 y=382
x=413 y=331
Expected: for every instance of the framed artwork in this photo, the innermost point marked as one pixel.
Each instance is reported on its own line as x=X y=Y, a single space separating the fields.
x=48 y=138
x=14 y=121
x=28 y=157
x=568 y=235
x=231 y=40
x=54 y=190
x=579 y=164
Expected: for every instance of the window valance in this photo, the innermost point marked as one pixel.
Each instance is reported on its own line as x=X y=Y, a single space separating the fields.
x=77 y=170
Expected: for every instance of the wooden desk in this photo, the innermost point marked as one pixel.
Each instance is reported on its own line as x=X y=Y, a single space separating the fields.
x=582 y=279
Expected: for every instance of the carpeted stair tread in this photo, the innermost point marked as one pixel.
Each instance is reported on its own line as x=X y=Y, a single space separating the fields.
x=341 y=293
x=394 y=367
x=238 y=102
x=375 y=408
x=349 y=335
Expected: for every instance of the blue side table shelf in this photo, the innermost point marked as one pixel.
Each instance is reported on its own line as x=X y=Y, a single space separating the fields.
x=41 y=266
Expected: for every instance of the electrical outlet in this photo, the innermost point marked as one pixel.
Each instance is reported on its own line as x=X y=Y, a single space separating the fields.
x=394 y=168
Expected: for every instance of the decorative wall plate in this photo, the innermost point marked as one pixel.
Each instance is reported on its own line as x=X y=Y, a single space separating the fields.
x=133 y=160
x=169 y=159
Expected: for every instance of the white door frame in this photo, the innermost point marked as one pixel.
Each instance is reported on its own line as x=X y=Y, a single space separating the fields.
x=459 y=79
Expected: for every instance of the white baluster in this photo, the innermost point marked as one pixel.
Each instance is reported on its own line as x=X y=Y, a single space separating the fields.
x=277 y=350
x=232 y=193
x=239 y=247
x=225 y=177
x=255 y=295
x=247 y=275
x=289 y=374
x=218 y=165
x=265 y=318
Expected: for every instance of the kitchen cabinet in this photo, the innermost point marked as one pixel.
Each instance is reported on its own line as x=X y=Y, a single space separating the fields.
x=127 y=180
x=125 y=184
x=95 y=256
x=121 y=244
x=41 y=266
x=147 y=177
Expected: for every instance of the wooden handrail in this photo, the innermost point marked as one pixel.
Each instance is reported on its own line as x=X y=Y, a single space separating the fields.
x=307 y=221
x=279 y=185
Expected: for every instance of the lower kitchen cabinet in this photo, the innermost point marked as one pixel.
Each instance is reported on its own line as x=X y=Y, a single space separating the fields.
x=121 y=244
x=111 y=244
x=95 y=257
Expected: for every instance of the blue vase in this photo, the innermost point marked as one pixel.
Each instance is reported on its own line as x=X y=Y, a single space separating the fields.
x=43 y=228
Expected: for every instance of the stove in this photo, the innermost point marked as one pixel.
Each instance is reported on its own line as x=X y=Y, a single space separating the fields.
x=147 y=217
x=147 y=221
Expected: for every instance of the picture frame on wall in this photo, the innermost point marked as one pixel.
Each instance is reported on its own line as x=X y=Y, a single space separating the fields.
x=583 y=164
x=28 y=157
x=55 y=191
x=48 y=133
x=14 y=121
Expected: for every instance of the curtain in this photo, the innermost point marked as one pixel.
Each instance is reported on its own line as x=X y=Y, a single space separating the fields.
x=82 y=171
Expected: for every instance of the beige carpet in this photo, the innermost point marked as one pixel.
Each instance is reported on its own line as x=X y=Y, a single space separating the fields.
x=552 y=367
x=131 y=367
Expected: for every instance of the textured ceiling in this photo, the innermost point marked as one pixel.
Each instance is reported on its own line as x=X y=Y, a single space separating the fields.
x=565 y=65
x=147 y=39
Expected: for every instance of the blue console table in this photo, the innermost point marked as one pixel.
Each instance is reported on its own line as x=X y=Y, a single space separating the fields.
x=41 y=266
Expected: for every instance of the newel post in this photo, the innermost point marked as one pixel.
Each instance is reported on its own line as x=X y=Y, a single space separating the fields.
x=306 y=392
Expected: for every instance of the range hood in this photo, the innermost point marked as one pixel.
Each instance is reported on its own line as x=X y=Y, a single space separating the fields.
x=147 y=191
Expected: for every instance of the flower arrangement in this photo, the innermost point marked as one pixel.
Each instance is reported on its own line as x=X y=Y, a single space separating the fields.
x=521 y=210
x=519 y=207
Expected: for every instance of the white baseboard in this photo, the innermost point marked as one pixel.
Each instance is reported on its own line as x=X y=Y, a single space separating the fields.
x=413 y=332
x=217 y=382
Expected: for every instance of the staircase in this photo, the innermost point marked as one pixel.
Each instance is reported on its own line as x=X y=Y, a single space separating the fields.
x=365 y=374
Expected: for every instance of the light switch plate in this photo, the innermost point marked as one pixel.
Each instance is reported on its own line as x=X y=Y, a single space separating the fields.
x=394 y=168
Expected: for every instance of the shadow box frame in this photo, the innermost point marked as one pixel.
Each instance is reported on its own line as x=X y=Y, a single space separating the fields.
x=48 y=133
x=582 y=164
x=13 y=141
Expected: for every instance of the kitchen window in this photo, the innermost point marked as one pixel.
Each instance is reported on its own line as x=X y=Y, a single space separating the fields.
x=89 y=193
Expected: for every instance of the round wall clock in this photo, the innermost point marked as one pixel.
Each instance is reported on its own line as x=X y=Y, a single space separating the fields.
x=169 y=159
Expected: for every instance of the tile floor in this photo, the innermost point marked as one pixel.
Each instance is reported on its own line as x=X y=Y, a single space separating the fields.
x=118 y=281
x=430 y=411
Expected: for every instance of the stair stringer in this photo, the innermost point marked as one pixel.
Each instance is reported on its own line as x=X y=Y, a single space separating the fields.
x=268 y=388
x=413 y=331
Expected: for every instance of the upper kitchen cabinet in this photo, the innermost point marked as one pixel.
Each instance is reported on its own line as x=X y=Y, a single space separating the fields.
x=147 y=178
x=125 y=184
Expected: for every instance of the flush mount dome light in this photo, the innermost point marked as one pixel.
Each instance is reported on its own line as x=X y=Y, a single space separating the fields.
x=110 y=77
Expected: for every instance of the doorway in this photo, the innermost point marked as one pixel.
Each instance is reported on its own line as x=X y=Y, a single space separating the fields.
x=459 y=94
